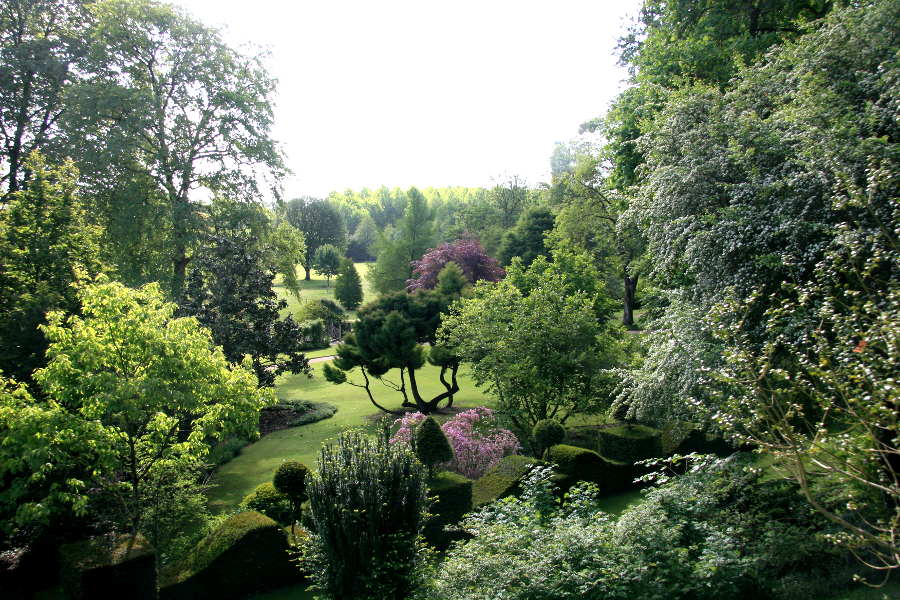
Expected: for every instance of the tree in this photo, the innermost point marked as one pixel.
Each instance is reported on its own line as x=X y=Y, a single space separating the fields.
x=555 y=374
x=327 y=261
x=466 y=254
x=321 y=224
x=547 y=433
x=452 y=282
x=368 y=501
x=362 y=242
x=128 y=392
x=288 y=248
x=431 y=446
x=39 y=42
x=526 y=239
x=348 y=287
x=230 y=292
x=164 y=94
x=391 y=333
x=46 y=245
x=414 y=235
x=290 y=480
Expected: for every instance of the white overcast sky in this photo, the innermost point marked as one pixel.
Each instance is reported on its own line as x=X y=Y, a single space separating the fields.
x=427 y=93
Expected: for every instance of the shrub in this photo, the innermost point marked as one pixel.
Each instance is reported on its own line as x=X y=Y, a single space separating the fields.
x=109 y=567
x=546 y=433
x=315 y=334
x=581 y=464
x=452 y=498
x=266 y=499
x=502 y=479
x=432 y=447
x=290 y=480
x=245 y=555
x=367 y=501
x=478 y=444
x=629 y=443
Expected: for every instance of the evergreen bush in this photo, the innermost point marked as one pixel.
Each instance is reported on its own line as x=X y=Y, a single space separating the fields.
x=451 y=495
x=266 y=499
x=367 y=501
x=290 y=480
x=546 y=433
x=432 y=447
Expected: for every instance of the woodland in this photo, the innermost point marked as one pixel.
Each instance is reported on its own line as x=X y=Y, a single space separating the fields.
x=669 y=371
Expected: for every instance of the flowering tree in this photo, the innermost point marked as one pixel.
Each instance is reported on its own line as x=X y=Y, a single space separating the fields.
x=466 y=253
x=478 y=444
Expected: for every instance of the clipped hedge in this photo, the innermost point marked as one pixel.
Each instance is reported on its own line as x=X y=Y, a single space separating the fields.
x=452 y=494
x=581 y=464
x=247 y=554
x=502 y=479
x=108 y=568
x=629 y=443
x=704 y=443
x=269 y=501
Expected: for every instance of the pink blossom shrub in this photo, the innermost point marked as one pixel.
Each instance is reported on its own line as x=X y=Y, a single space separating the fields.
x=478 y=444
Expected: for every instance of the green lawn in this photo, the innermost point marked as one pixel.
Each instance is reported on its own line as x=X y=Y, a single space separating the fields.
x=319 y=288
x=257 y=462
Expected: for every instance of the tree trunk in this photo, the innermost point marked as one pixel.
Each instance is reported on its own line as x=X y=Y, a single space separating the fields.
x=308 y=271
x=628 y=304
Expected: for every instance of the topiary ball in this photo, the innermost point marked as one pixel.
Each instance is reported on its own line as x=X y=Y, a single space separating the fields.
x=547 y=433
x=290 y=479
x=432 y=447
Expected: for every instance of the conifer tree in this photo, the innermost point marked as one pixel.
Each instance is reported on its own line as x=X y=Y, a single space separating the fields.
x=348 y=287
x=432 y=447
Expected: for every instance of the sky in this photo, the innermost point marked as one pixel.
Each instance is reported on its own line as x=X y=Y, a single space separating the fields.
x=426 y=93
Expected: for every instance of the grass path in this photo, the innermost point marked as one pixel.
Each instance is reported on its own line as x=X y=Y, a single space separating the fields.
x=257 y=462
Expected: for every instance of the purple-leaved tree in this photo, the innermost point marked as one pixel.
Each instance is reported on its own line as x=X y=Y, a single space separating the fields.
x=467 y=253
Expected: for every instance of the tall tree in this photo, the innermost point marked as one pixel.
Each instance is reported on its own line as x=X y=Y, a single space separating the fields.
x=165 y=95
x=348 y=287
x=129 y=390
x=413 y=237
x=526 y=239
x=327 y=261
x=230 y=291
x=39 y=41
x=362 y=242
x=467 y=254
x=321 y=224
x=46 y=245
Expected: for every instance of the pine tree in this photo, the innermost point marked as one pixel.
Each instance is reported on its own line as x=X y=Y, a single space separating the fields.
x=348 y=287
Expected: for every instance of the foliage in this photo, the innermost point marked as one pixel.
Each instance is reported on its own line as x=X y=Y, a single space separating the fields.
x=164 y=96
x=367 y=500
x=431 y=445
x=502 y=479
x=581 y=464
x=477 y=443
x=290 y=480
x=716 y=532
x=39 y=42
x=413 y=237
x=327 y=260
x=556 y=374
x=129 y=392
x=231 y=293
x=361 y=245
x=348 y=287
x=467 y=254
x=452 y=282
x=546 y=433
x=451 y=498
x=288 y=249
x=324 y=309
x=629 y=443
x=247 y=553
x=389 y=334
x=270 y=501
x=46 y=245
x=526 y=239
x=320 y=223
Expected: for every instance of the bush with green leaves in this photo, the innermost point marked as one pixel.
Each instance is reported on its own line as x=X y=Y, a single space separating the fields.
x=546 y=433
x=367 y=502
x=268 y=500
x=718 y=531
x=431 y=446
x=290 y=480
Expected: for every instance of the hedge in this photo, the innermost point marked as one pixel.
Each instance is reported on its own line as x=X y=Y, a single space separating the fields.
x=107 y=567
x=267 y=500
x=629 y=443
x=247 y=554
x=581 y=464
x=502 y=479
x=452 y=494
